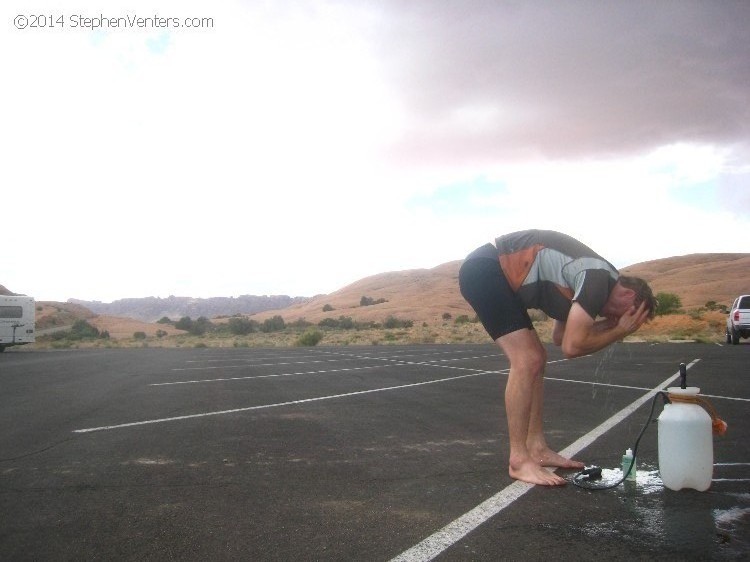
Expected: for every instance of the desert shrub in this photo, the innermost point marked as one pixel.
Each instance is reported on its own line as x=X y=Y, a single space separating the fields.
x=311 y=337
x=669 y=303
x=184 y=323
x=300 y=323
x=275 y=324
x=447 y=316
x=392 y=322
x=164 y=320
x=368 y=301
x=82 y=330
x=713 y=305
x=139 y=335
x=196 y=327
x=160 y=333
x=462 y=319
x=342 y=322
x=201 y=326
x=329 y=323
x=242 y=326
x=327 y=308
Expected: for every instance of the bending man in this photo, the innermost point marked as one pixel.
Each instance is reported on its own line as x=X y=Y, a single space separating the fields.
x=592 y=306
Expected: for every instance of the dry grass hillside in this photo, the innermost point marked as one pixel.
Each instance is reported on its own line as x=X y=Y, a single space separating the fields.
x=122 y=328
x=424 y=295
x=57 y=314
x=421 y=295
x=697 y=278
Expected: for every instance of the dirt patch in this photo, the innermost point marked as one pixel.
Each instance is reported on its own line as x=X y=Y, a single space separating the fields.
x=124 y=328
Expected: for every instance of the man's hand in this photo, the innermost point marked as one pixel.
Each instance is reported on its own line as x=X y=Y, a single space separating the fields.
x=633 y=318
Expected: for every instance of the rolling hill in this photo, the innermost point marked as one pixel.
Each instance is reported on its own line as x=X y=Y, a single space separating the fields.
x=424 y=295
x=697 y=278
x=151 y=309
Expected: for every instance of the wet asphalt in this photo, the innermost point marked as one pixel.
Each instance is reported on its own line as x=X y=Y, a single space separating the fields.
x=351 y=453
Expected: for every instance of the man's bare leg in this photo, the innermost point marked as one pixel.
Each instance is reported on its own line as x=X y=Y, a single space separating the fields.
x=527 y=359
x=535 y=441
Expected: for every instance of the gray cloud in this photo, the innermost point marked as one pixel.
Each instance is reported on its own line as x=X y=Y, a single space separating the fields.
x=565 y=79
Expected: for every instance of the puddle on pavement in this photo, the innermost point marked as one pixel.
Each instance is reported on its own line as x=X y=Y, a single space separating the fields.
x=707 y=523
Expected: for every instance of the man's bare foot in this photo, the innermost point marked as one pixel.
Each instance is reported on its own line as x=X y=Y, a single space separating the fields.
x=529 y=471
x=548 y=457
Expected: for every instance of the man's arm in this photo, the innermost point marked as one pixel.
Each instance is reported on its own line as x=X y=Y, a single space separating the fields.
x=558 y=329
x=582 y=335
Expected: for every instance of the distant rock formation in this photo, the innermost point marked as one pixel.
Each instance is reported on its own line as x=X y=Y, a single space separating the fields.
x=151 y=309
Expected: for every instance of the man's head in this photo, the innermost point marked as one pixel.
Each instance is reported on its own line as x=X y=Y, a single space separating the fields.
x=627 y=293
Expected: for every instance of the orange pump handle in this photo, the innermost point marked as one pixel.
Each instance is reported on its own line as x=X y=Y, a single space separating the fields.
x=718 y=425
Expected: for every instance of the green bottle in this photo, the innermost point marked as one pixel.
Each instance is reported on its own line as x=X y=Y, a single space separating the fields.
x=627 y=458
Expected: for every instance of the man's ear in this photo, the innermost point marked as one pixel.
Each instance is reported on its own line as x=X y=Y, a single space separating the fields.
x=623 y=292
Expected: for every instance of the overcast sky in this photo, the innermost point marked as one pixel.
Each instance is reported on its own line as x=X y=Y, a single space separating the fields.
x=296 y=146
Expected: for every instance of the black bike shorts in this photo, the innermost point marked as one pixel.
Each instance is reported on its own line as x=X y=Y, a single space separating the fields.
x=484 y=286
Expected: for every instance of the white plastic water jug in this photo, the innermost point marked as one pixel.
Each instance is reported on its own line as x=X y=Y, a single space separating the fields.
x=686 y=448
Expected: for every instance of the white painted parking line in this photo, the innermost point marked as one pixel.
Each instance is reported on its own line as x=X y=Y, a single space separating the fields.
x=245 y=366
x=289 y=403
x=592 y=383
x=730 y=480
x=247 y=357
x=393 y=363
x=346 y=357
x=401 y=354
x=459 y=528
x=251 y=377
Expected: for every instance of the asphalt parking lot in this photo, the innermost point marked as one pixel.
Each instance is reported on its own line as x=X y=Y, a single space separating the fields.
x=352 y=453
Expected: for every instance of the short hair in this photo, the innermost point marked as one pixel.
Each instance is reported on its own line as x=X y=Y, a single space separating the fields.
x=643 y=293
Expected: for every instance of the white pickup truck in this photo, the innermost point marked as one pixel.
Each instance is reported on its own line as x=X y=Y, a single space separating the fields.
x=17 y=319
x=738 y=321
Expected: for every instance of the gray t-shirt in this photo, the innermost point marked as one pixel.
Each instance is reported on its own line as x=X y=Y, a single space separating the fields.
x=550 y=270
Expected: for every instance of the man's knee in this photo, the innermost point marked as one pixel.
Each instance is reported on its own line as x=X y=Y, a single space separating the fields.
x=530 y=362
x=525 y=352
x=535 y=363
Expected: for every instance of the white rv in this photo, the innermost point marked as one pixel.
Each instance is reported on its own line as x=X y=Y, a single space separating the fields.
x=17 y=316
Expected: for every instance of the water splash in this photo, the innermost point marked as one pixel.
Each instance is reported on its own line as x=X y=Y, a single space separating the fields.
x=725 y=518
x=646 y=481
x=601 y=371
